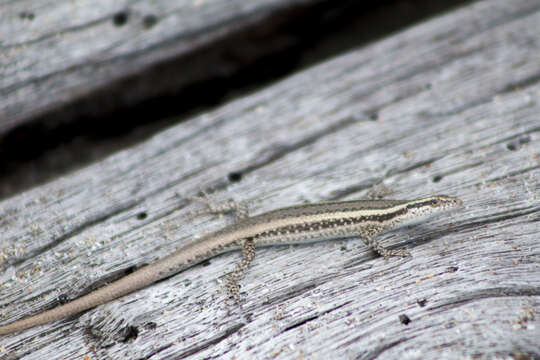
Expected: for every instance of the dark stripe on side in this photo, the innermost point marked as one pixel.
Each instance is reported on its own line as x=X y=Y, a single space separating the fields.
x=424 y=203
x=330 y=224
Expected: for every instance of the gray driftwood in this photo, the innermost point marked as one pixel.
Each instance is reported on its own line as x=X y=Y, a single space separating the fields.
x=449 y=106
x=53 y=53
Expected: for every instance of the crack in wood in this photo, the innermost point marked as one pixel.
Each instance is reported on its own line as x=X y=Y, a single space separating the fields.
x=203 y=346
x=314 y=317
x=499 y=292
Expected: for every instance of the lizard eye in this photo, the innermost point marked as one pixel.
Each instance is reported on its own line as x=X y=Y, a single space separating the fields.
x=434 y=202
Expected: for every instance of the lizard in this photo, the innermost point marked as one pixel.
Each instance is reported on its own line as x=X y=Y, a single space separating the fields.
x=291 y=225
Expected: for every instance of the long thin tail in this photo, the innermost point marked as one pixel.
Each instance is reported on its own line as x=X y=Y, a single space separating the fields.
x=142 y=278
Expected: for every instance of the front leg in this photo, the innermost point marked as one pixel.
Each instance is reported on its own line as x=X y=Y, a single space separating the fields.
x=386 y=253
x=370 y=241
x=248 y=253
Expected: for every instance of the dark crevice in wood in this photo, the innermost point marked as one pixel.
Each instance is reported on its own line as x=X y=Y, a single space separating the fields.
x=129 y=334
x=27 y=15
x=150 y=325
x=366 y=184
x=431 y=234
x=149 y=21
x=373 y=116
x=531 y=80
x=377 y=352
x=404 y=319
x=235 y=176
x=518 y=212
x=314 y=317
x=130 y=270
x=203 y=345
x=156 y=351
x=297 y=290
x=105 y=280
x=414 y=166
x=120 y=18
x=481 y=294
x=357 y=263
x=520 y=138
x=131 y=109
x=301 y=322
x=95 y=338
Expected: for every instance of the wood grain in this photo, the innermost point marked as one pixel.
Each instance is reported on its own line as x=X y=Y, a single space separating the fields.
x=448 y=106
x=80 y=81
x=55 y=54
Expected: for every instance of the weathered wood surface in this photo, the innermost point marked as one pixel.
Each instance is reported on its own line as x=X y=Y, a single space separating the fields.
x=52 y=53
x=449 y=106
x=81 y=80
